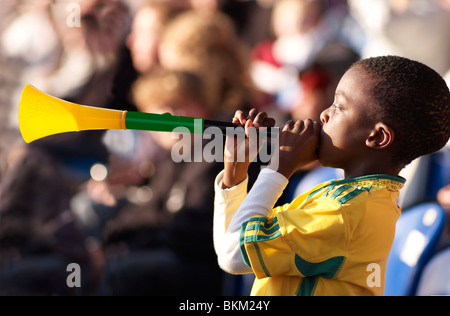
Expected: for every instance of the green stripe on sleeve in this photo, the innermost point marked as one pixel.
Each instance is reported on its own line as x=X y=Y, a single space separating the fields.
x=261 y=260
x=242 y=245
x=255 y=225
x=259 y=238
x=267 y=231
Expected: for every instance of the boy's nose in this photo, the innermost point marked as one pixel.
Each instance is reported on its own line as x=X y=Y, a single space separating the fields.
x=324 y=116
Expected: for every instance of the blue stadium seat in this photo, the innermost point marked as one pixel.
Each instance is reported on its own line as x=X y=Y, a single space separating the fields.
x=418 y=233
x=424 y=177
x=435 y=279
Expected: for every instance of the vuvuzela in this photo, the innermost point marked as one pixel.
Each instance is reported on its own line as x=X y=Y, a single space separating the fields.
x=42 y=115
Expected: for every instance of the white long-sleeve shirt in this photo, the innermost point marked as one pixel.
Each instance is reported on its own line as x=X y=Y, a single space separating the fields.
x=233 y=207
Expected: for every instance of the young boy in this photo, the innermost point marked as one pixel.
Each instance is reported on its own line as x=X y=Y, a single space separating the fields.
x=336 y=238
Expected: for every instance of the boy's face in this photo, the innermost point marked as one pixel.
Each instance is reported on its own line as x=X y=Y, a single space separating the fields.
x=348 y=122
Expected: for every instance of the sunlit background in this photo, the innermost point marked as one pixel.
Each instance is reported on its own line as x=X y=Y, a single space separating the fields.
x=113 y=201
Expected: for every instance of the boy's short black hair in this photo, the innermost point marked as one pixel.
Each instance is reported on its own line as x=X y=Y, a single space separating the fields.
x=414 y=100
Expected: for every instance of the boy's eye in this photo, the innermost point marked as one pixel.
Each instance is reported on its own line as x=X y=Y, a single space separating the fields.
x=336 y=106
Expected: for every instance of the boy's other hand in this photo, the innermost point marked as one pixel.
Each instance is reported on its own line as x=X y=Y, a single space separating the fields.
x=240 y=152
x=298 y=146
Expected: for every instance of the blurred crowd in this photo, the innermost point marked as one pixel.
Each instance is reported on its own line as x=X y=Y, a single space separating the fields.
x=113 y=201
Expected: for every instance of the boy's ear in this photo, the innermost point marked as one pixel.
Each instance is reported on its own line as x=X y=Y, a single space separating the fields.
x=381 y=137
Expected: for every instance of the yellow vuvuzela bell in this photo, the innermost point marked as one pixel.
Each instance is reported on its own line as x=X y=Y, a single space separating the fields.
x=41 y=115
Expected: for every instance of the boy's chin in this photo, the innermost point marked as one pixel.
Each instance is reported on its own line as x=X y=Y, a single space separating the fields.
x=321 y=158
x=318 y=151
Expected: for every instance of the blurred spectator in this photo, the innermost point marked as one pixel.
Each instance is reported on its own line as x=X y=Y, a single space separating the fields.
x=152 y=214
x=373 y=15
x=143 y=40
x=301 y=29
x=90 y=60
x=318 y=81
x=445 y=4
x=38 y=235
x=252 y=19
x=207 y=46
x=42 y=49
x=424 y=22
x=206 y=6
x=104 y=25
x=76 y=64
x=73 y=63
x=220 y=62
x=29 y=47
x=417 y=29
x=160 y=241
x=140 y=57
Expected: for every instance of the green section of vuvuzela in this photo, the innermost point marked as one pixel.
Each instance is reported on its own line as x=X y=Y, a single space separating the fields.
x=161 y=122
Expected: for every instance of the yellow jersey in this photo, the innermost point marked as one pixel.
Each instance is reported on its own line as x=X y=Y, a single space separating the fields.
x=333 y=240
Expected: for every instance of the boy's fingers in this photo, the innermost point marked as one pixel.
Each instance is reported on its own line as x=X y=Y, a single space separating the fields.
x=247 y=126
x=253 y=113
x=259 y=119
x=263 y=120
x=309 y=123
x=302 y=127
x=313 y=126
x=240 y=117
x=298 y=126
x=269 y=122
x=288 y=125
x=294 y=127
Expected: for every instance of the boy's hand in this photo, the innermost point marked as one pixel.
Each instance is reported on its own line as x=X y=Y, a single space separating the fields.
x=240 y=152
x=298 y=146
